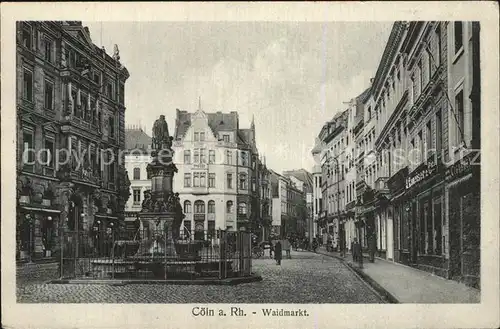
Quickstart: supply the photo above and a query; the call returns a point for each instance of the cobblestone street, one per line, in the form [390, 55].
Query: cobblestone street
[306, 278]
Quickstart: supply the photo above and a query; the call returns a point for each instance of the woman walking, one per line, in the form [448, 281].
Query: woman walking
[277, 253]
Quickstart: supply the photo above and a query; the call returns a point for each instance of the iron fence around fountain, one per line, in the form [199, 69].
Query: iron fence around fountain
[148, 254]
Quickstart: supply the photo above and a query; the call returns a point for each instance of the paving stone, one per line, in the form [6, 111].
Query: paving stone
[306, 278]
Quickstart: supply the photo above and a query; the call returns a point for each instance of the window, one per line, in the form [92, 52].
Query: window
[420, 147]
[438, 247]
[97, 78]
[244, 158]
[187, 180]
[428, 136]
[459, 38]
[196, 136]
[422, 75]
[111, 122]
[84, 104]
[199, 207]
[27, 35]
[203, 179]
[111, 172]
[187, 156]
[229, 207]
[229, 157]
[211, 207]
[439, 132]
[109, 90]
[28, 150]
[28, 85]
[229, 180]
[137, 173]
[202, 137]
[225, 138]
[48, 50]
[187, 207]
[48, 155]
[459, 108]
[242, 208]
[196, 181]
[137, 196]
[243, 182]
[211, 156]
[49, 95]
[211, 180]
[437, 58]
[211, 229]
[196, 156]
[203, 156]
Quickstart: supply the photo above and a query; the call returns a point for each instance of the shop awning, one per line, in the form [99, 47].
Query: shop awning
[47, 210]
[105, 216]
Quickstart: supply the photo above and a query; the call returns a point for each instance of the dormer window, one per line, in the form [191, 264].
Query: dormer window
[225, 138]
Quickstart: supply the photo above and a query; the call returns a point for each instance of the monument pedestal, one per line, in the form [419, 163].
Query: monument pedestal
[157, 235]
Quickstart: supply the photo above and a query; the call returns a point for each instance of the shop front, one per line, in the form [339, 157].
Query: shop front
[463, 200]
[424, 206]
[400, 219]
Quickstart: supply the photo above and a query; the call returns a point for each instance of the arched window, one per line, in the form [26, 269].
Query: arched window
[229, 207]
[211, 207]
[137, 173]
[199, 207]
[187, 207]
[242, 208]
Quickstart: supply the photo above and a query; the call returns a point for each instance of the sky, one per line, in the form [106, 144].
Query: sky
[291, 77]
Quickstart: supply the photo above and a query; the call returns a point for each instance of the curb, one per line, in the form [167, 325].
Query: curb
[378, 289]
[216, 282]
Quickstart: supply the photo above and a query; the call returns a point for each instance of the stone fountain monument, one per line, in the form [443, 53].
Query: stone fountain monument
[161, 214]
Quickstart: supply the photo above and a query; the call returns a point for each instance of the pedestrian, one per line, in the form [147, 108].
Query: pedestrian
[315, 245]
[277, 253]
[271, 247]
[286, 247]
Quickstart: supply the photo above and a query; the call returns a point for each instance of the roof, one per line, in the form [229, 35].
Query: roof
[302, 175]
[217, 121]
[364, 95]
[136, 139]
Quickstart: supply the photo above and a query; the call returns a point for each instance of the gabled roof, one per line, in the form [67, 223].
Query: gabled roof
[302, 175]
[82, 34]
[217, 121]
[136, 139]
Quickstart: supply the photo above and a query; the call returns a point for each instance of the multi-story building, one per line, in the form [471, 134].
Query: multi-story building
[416, 132]
[333, 135]
[137, 158]
[317, 194]
[218, 177]
[363, 109]
[280, 202]
[303, 181]
[70, 130]
[265, 223]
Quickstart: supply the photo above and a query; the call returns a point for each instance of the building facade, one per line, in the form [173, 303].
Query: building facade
[317, 195]
[333, 135]
[218, 178]
[303, 182]
[137, 158]
[417, 134]
[70, 130]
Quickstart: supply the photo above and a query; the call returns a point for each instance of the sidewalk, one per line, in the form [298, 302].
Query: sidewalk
[408, 285]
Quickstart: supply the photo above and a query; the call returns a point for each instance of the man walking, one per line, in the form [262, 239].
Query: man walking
[277, 253]
[286, 246]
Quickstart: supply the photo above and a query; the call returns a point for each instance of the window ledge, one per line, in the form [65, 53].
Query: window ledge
[457, 55]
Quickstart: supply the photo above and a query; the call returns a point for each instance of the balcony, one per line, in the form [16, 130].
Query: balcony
[199, 190]
[381, 184]
[89, 176]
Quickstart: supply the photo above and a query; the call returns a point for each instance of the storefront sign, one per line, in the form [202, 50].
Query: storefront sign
[422, 172]
[461, 167]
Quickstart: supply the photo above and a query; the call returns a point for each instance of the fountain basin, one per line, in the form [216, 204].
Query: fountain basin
[126, 248]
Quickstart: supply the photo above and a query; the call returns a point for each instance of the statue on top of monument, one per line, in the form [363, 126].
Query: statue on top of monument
[161, 137]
